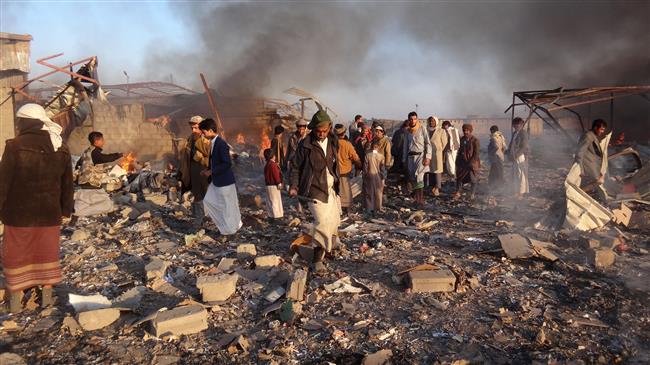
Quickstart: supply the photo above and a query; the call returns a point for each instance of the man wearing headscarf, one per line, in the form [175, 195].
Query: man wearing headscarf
[589, 155]
[278, 149]
[417, 156]
[195, 157]
[439, 140]
[468, 162]
[451, 150]
[36, 190]
[518, 154]
[315, 180]
[346, 158]
[496, 155]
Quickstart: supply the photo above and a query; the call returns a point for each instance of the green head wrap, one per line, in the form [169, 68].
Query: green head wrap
[320, 119]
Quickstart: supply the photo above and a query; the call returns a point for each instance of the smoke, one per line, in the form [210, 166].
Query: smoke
[471, 55]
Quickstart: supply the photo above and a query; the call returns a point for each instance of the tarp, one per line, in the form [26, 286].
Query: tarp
[88, 202]
[582, 211]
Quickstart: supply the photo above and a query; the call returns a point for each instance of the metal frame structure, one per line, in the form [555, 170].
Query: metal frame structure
[544, 102]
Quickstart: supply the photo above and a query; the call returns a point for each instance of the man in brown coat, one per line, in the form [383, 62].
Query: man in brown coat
[36, 190]
[347, 157]
[195, 157]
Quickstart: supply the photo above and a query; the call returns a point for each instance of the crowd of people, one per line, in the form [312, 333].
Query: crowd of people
[316, 164]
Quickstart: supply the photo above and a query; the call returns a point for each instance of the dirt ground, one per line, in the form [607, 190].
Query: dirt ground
[503, 311]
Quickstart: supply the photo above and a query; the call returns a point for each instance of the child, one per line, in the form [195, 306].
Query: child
[273, 180]
[373, 178]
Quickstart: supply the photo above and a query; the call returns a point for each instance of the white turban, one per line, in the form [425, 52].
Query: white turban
[35, 111]
[196, 119]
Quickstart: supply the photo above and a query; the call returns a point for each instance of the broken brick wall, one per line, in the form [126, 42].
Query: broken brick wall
[125, 130]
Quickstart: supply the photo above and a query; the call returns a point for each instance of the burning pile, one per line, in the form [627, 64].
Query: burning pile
[128, 163]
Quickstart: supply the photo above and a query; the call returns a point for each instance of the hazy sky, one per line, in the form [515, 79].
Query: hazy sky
[376, 59]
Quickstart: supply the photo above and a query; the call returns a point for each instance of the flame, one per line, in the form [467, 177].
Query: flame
[265, 141]
[241, 139]
[127, 162]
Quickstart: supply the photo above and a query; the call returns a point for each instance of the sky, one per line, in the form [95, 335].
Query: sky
[380, 59]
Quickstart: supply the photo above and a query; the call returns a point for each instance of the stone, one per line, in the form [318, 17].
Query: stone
[296, 285]
[72, 325]
[246, 250]
[165, 246]
[166, 360]
[515, 246]
[79, 235]
[622, 215]
[8, 358]
[601, 258]
[268, 261]
[381, 357]
[226, 264]
[98, 318]
[156, 268]
[180, 321]
[306, 252]
[428, 281]
[131, 298]
[217, 288]
[159, 199]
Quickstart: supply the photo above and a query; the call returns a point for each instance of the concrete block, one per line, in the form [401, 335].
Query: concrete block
[216, 288]
[181, 321]
[601, 258]
[296, 285]
[98, 318]
[156, 268]
[268, 261]
[428, 281]
[246, 250]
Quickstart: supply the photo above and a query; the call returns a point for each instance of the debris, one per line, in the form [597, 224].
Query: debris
[381, 357]
[72, 325]
[217, 288]
[582, 211]
[289, 311]
[131, 298]
[343, 285]
[8, 358]
[82, 303]
[91, 202]
[156, 268]
[622, 215]
[246, 251]
[180, 321]
[226, 264]
[79, 235]
[265, 262]
[601, 258]
[426, 281]
[515, 246]
[296, 285]
[98, 318]
[275, 294]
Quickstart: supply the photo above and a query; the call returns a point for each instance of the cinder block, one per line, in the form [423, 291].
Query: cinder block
[296, 285]
[601, 258]
[268, 261]
[226, 264]
[181, 321]
[156, 268]
[216, 288]
[428, 281]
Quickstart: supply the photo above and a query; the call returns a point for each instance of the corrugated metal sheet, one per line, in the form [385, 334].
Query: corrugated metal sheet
[14, 52]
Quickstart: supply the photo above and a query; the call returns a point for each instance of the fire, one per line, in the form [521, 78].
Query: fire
[265, 141]
[127, 162]
[241, 139]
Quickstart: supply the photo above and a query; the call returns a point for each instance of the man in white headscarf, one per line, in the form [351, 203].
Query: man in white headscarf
[36, 190]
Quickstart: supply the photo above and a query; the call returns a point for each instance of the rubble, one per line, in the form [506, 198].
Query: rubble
[601, 258]
[263, 262]
[156, 268]
[245, 251]
[180, 321]
[217, 288]
[296, 285]
[99, 318]
[428, 281]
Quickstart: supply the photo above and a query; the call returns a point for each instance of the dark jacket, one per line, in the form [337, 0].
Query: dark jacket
[272, 174]
[589, 155]
[99, 157]
[518, 145]
[220, 164]
[311, 165]
[35, 181]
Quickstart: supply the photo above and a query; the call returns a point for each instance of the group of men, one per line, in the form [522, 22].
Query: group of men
[318, 163]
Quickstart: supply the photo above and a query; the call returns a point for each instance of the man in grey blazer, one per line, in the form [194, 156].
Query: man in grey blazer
[589, 156]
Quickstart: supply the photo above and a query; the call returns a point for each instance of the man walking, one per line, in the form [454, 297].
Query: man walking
[220, 202]
[315, 180]
[346, 158]
[278, 150]
[468, 162]
[439, 140]
[195, 157]
[518, 154]
[417, 156]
